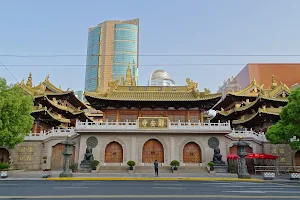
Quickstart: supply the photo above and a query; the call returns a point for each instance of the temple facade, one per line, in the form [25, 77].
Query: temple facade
[148, 123]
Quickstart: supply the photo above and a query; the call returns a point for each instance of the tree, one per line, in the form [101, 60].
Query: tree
[288, 127]
[15, 118]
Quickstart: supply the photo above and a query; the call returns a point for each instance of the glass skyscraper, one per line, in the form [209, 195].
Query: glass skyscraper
[160, 78]
[112, 46]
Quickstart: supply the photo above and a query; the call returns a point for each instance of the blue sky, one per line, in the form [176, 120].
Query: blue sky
[35, 27]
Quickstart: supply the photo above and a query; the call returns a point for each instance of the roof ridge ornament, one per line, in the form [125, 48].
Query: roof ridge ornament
[191, 85]
[274, 82]
[47, 77]
[29, 80]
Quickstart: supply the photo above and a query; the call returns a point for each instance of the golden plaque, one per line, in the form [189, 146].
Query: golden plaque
[153, 122]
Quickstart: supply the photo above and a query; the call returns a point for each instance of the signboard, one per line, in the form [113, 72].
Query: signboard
[153, 123]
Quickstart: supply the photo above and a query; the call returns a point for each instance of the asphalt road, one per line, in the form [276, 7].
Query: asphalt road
[145, 190]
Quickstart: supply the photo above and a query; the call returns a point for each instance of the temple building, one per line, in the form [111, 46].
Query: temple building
[253, 107]
[53, 107]
[148, 123]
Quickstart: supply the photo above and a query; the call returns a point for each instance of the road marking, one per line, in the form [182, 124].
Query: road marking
[268, 188]
[60, 188]
[162, 184]
[248, 191]
[170, 188]
[148, 197]
[259, 191]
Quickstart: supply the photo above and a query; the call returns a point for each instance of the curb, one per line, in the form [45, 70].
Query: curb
[151, 179]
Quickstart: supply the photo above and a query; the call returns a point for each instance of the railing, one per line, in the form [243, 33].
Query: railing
[99, 126]
[248, 134]
[51, 133]
[279, 170]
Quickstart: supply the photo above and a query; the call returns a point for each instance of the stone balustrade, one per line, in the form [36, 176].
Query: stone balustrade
[133, 126]
[51, 133]
[248, 134]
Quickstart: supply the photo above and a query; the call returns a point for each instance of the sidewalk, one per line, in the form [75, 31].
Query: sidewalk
[37, 175]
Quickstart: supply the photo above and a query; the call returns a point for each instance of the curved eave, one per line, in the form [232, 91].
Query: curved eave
[59, 107]
[240, 121]
[219, 117]
[52, 115]
[284, 100]
[229, 99]
[73, 99]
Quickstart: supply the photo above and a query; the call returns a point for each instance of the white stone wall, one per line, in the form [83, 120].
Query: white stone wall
[132, 144]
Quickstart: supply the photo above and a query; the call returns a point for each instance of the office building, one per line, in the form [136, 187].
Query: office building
[112, 46]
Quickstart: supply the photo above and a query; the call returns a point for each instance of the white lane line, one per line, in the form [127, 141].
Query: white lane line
[232, 186]
[270, 188]
[60, 188]
[217, 183]
[170, 188]
[161, 184]
[259, 191]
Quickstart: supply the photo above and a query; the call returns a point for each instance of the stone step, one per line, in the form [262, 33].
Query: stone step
[148, 169]
[192, 169]
[113, 169]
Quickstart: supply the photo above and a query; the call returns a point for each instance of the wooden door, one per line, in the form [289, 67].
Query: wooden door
[57, 159]
[191, 153]
[153, 150]
[113, 153]
[297, 158]
[4, 155]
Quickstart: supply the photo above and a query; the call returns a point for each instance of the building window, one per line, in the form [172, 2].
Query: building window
[176, 118]
[130, 118]
[194, 118]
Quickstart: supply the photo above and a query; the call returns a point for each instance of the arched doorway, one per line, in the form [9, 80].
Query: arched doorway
[4, 155]
[297, 158]
[153, 150]
[57, 158]
[113, 153]
[249, 162]
[192, 153]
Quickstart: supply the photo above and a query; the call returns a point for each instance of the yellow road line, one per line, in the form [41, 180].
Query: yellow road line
[148, 197]
[150, 179]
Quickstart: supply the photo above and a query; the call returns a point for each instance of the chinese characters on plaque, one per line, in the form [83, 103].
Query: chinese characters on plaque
[153, 122]
[25, 153]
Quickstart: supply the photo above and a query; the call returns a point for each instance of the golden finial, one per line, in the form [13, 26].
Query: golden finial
[274, 82]
[122, 81]
[47, 77]
[206, 91]
[22, 82]
[128, 81]
[113, 85]
[133, 81]
[29, 80]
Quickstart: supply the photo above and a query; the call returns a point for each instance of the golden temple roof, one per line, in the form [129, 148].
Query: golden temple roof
[154, 93]
[263, 110]
[56, 117]
[255, 90]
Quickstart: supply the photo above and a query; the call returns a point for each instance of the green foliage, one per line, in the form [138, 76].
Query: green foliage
[74, 167]
[4, 166]
[94, 163]
[211, 164]
[175, 163]
[131, 163]
[15, 118]
[288, 126]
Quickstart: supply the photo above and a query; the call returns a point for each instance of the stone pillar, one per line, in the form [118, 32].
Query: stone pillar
[242, 153]
[133, 149]
[67, 153]
[172, 150]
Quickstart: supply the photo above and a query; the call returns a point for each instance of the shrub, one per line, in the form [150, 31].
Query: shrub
[175, 163]
[94, 163]
[74, 167]
[211, 164]
[4, 166]
[131, 163]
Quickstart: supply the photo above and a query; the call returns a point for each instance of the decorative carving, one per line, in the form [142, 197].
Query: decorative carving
[47, 77]
[113, 85]
[92, 142]
[206, 91]
[274, 82]
[40, 106]
[213, 142]
[54, 100]
[29, 80]
[191, 85]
